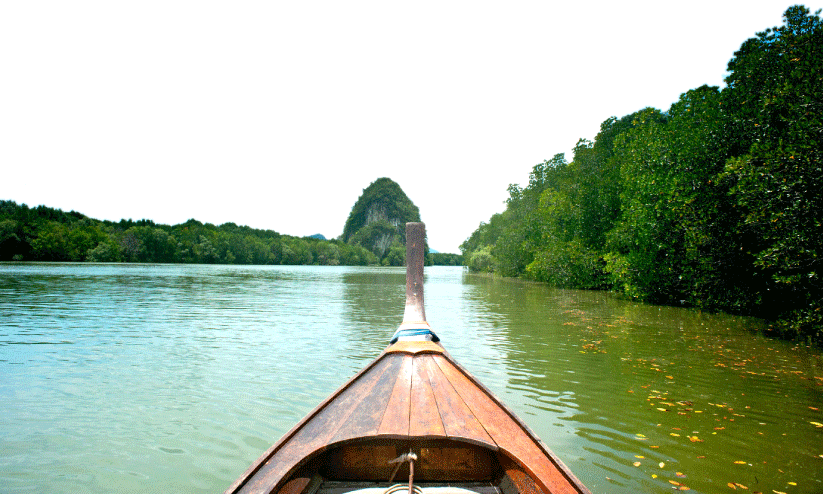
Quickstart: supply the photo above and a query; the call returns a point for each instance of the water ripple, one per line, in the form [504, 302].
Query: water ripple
[115, 377]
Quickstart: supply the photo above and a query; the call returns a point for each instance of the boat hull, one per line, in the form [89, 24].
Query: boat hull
[412, 398]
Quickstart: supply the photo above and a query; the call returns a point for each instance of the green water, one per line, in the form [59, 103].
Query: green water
[136, 378]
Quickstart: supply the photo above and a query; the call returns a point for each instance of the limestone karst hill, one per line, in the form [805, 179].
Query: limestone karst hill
[377, 220]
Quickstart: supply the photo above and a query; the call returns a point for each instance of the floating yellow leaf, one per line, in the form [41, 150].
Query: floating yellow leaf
[654, 475]
[738, 484]
[674, 482]
[680, 474]
[778, 492]
[684, 488]
[674, 434]
[695, 439]
[637, 463]
[740, 462]
[816, 424]
[661, 464]
[732, 486]
[640, 456]
[792, 483]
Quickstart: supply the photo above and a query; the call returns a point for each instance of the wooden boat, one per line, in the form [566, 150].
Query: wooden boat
[412, 413]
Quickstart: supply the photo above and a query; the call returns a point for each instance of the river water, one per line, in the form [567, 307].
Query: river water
[174, 378]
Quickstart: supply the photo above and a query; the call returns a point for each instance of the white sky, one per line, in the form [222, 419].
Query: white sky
[278, 114]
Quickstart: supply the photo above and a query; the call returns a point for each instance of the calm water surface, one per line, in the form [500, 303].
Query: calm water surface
[136, 378]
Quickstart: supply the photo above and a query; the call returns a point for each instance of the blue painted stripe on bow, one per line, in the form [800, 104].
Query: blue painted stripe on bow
[413, 332]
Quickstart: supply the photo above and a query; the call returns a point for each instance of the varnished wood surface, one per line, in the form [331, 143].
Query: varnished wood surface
[415, 347]
[414, 390]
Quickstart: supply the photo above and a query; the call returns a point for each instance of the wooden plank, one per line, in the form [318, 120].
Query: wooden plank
[367, 415]
[395, 421]
[359, 462]
[424, 420]
[415, 347]
[509, 433]
[453, 462]
[295, 486]
[458, 419]
[515, 480]
[316, 432]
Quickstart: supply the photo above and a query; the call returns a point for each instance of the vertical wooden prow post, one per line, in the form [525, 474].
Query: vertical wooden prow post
[414, 326]
[415, 253]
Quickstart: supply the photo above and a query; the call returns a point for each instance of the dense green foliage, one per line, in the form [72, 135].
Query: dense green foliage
[47, 234]
[378, 220]
[716, 203]
[443, 259]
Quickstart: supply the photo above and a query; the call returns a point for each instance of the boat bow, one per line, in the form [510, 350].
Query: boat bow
[413, 398]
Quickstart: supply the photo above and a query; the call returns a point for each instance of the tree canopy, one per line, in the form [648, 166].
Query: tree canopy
[715, 203]
[48, 234]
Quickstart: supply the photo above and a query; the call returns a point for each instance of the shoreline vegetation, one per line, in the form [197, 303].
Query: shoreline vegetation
[47, 234]
[715, 204]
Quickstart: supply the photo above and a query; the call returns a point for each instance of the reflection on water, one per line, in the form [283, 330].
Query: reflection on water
[118, 377]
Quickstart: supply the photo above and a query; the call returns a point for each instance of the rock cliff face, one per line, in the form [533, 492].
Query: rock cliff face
[377, 220]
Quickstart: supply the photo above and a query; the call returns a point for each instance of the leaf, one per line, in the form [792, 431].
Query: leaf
[816, 424]
[661, 464]
[740, 462]
[732, 486]
[674, 482]
[637, 463]
[738, 484]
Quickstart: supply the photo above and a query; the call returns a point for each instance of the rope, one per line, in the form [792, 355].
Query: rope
[412, 489]
[402, 488]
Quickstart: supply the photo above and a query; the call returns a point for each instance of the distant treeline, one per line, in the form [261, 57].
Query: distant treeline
[47, 234]
[716, 203]
[441, 259]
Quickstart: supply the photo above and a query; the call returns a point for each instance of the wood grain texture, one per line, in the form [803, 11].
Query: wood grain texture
[295, 486]
[425, 418]
[395, 421]
[458, 419]
[508, 433]
[412, 392]
[415, 347]
[370, 407]
[515, 480]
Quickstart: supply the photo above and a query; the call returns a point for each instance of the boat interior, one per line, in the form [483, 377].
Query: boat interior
[437, 466]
